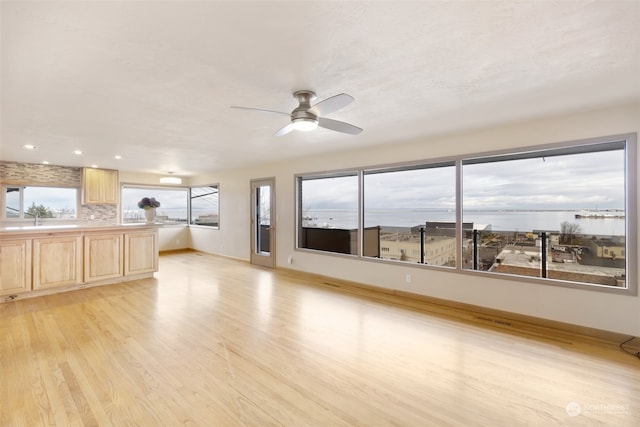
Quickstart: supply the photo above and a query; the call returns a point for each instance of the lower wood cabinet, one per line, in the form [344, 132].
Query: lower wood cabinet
[140, 252]
[41, 262]
[57, 261]
[15, 266]
[103, 256]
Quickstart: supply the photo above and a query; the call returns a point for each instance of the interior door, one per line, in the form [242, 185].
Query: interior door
[263, 221]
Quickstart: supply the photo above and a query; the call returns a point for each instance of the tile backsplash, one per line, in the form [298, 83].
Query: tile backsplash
[38, 174]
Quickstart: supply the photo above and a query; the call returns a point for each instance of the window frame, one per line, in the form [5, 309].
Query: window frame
[298, 211]
[156, 187]
[22, 186]
[190, 211]
[408, 167]
[627, 141]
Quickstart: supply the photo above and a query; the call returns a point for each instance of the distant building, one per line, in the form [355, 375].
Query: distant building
[608, 248]
[438, 250]
[563, 265]
[211, 219]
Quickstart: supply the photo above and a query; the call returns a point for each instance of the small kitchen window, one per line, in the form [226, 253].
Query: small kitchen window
[30, 202]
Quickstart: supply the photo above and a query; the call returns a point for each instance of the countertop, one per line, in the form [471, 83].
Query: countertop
[50, 229]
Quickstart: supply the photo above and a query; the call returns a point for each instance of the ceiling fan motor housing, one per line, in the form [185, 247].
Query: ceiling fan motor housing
[301, 117]
[302, 113]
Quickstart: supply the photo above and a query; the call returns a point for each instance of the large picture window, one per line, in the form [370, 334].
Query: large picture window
[561, 214]
[557, 213]
[329, 213]
[410, 214]
[173, 204]
[29, 202]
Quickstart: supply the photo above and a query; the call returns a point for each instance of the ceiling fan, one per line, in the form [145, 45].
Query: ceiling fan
[306, 117]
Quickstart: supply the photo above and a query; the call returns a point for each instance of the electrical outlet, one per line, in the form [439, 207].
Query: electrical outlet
[407, 278]
[290, 259]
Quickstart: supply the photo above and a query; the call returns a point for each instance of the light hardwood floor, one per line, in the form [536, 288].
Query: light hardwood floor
[216, 342]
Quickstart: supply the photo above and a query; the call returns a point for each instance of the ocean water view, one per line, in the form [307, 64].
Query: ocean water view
[498, 220]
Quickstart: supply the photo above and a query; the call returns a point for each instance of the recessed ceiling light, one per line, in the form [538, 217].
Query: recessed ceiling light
[29, 147]
[94, 166]
[77, 152]
[117, 157]
[44, 162]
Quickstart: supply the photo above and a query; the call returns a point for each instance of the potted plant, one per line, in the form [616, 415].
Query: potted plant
[149, 204]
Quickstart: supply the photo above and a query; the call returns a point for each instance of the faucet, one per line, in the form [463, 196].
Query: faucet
[36, 219]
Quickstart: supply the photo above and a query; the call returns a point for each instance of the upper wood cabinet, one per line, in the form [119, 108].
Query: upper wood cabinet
[99, 186]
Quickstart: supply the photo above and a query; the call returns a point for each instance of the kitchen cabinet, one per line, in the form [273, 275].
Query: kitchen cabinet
[103, 256]
[49, 259]
[99, 186]
[15, 266]
[140, 252]
[57, 261]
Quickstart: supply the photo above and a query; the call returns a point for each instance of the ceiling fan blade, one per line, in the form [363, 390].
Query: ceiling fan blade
[260, 109]
[332, 104]
[284, 130]
[338, 126]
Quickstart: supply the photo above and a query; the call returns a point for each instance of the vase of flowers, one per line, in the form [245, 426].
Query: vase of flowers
[149, 204]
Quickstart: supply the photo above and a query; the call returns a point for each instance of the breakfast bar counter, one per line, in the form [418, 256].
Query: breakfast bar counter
[37, 260]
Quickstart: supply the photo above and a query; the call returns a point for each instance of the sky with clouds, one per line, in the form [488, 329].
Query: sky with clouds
[569, 182]
[577, 181]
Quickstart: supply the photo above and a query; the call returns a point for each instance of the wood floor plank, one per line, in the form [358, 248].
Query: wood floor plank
[212, 341]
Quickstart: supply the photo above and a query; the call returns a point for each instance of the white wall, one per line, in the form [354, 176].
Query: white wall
[173, 237]
[582, 307]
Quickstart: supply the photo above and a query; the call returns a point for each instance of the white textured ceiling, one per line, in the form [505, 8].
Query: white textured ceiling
[153, 81]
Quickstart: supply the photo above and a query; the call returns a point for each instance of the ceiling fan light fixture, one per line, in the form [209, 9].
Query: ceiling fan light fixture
[305, 124]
